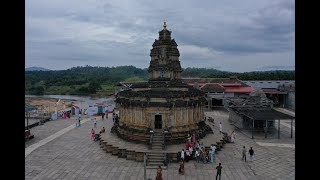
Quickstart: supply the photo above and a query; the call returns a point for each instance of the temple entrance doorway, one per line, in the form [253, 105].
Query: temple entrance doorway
[158, 122]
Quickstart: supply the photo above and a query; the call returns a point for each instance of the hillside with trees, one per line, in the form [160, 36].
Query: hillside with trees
[91, 80]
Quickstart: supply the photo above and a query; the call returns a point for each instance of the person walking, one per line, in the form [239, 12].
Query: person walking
[197, 155]
[220, 127]
[79, 123]
[190, 150]
[159, 173]
[95, 122]
[102, 116]
[92, 134]
[218, 168]
[203, 155]
[182, 155]
[113, 116]
[233, 136]
[181, 168]
[251, 152]
[212, 151]
[244, 154]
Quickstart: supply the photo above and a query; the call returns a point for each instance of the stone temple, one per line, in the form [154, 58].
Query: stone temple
[163, 103]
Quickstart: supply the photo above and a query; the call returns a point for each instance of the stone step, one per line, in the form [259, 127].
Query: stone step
[156, 160]
[156, 167]
[157, 140]
[155, 164]
[156, 157]
[156, 154]
[156, 144]
[157, 136]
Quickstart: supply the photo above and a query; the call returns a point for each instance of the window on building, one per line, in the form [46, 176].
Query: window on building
[162, 74]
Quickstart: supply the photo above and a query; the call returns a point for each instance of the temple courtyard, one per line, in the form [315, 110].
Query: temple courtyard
[60, 150]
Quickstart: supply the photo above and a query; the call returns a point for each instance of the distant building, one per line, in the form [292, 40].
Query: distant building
[255, 113]
[281, 92]
[218, 90]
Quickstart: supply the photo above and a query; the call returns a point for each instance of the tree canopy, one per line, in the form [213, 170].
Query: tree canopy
[89, 80]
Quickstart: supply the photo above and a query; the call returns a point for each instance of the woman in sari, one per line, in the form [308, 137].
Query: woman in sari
[92, 134]
[193, 138]
[159, 173]
[181, 168]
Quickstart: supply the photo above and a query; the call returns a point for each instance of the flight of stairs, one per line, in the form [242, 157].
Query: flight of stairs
[156, 156]
[157, 141]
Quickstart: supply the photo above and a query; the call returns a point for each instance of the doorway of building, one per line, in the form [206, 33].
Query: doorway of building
[158, 122]
[217, 102]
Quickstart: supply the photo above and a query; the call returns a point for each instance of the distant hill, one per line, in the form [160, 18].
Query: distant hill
[34, 68]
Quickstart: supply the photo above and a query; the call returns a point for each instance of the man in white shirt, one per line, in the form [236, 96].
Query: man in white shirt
[213, 147]
[190, 149]
[197, 155]
[182, 154]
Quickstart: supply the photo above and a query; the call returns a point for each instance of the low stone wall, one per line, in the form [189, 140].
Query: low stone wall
[143, 136]
[124, 151]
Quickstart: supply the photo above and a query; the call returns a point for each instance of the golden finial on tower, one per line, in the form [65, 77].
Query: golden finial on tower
[164, 25]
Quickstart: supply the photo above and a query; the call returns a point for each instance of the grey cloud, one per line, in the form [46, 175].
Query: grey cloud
[125, 30]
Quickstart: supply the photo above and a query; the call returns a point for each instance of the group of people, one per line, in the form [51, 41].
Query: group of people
[195, 149]
[102, 116]
[115, 118]
[206, 156]
[244, 154]
[65, 114]
[93, 133]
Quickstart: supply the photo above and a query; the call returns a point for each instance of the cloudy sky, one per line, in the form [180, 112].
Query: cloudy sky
[232, 35]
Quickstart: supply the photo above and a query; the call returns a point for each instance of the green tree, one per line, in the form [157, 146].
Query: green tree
[38, 90]
[134, 79]
[93, 87]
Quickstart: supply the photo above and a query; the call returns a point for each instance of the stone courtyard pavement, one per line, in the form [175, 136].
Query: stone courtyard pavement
[71, 154]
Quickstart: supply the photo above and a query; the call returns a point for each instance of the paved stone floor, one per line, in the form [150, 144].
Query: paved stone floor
[73, 155]
[50, 127]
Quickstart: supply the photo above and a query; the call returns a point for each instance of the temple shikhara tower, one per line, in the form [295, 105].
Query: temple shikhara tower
[164, 103]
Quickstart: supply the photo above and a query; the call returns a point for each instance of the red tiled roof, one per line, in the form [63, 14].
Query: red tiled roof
[239, 89]
[229, 84]
[212, 87]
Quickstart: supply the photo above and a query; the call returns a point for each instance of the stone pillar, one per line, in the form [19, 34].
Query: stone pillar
[141, 116]
[181, 116]
[187, 116]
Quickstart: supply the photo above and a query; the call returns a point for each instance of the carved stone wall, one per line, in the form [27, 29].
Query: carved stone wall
[171, 117]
